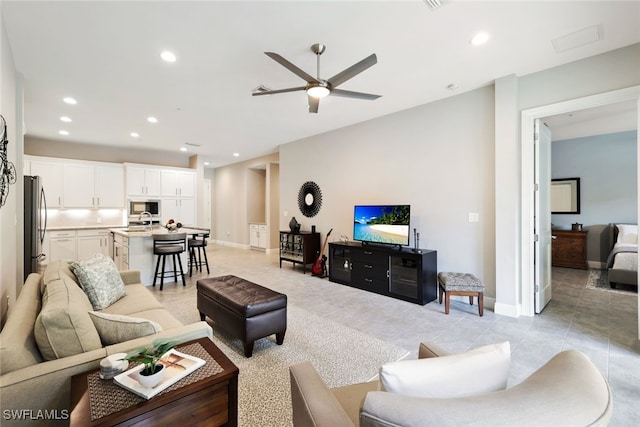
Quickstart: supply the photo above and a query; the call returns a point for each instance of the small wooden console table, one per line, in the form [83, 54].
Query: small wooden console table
[206, 397]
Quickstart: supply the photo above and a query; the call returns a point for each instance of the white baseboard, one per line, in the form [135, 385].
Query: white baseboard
[231, 244]
[507, 309]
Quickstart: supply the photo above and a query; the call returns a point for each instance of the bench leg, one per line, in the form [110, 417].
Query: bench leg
[447, 302]
[248, 349]
[280, 337]
[470, 299]
[480, 303]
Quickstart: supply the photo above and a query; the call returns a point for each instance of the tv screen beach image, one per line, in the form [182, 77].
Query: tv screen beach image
[382, 224]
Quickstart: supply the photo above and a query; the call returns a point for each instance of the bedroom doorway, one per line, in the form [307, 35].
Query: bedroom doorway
[528, 170]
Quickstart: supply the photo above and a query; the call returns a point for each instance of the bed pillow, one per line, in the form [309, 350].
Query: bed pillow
[100, 279]
[482, 370]
[117, 328]
[627, 233]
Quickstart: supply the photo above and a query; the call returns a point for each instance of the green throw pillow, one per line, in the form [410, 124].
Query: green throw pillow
[100, 280]
[117, 328]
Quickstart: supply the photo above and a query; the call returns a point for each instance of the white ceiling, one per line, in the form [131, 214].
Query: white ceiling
[106, 55]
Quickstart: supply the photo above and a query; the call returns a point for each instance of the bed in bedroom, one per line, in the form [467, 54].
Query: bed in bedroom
[622, 263]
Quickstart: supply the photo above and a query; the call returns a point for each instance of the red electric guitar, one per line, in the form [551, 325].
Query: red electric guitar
[319, 267]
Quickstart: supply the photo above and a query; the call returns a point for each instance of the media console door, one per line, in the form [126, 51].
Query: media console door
[401, 274]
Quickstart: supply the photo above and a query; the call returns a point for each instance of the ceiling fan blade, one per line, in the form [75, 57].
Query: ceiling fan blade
[313, 104]
[271, 92]
[352, 71]
[351, 94]
[289, 66]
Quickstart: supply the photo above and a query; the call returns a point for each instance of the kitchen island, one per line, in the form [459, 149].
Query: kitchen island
[133, 249]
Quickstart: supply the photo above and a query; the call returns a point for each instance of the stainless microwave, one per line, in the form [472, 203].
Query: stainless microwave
[136, 207]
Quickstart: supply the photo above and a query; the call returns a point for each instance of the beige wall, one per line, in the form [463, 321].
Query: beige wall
[101, 153]
[231, 202]
[11, 214]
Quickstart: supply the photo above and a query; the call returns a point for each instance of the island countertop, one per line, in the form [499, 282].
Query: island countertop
[138, 232]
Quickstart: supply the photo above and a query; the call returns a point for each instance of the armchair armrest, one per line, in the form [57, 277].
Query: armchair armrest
[428, 350]
[312, 401]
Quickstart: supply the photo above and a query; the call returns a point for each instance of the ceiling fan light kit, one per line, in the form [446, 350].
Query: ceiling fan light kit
[316, 87]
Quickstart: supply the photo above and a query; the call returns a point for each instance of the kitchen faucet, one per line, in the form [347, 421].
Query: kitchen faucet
[150, 218]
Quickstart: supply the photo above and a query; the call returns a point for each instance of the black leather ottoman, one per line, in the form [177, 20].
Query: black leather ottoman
[243, 309]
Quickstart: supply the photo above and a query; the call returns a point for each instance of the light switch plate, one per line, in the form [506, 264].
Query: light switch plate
[474, 217]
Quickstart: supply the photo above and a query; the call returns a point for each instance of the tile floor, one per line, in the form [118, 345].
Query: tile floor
[601, 324]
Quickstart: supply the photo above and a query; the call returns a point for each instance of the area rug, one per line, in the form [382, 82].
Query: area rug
[598, 280]
[341, 355]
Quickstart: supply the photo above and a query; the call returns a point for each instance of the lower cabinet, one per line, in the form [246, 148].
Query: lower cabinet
[401, 274]
[92, 242]
[62, 246]
[121, 251]
[258, 236]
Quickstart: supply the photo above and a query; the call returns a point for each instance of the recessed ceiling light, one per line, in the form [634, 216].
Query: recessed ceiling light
[236, 154]
[206, 163]
[479, 39]
[63, 132]
[152, 119]
[452, 86]
[135, 134]
[183, 148]
[65, 119]
[70, 100]
[168, 56]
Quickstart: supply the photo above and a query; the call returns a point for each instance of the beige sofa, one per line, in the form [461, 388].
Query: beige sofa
[28, 382]
[567, 391]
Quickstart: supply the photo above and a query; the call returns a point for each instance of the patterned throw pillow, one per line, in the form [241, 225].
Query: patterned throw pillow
[117, 328]
[100, 280]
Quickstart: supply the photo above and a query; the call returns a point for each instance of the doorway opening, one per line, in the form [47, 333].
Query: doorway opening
[528, 170]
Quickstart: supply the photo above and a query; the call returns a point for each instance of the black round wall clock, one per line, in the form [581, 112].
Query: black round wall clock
[309, 199]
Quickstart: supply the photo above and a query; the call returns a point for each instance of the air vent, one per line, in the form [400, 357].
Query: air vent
[579, 38]
[435, 4]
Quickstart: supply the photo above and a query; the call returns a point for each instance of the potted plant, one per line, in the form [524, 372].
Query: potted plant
[153, 371]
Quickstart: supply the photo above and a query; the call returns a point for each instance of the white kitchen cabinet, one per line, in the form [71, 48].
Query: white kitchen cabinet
[258, 236]
[143, 181]
[177, 183]
[62, 246]
[50, 171]
[93, 186]
[91, 242]
[78, 183]
[181, 210]
[121, 251]
[109, 187]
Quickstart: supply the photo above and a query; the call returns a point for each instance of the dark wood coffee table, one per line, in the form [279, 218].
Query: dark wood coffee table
[196, 401]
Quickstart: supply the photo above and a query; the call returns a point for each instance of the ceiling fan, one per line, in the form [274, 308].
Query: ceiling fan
[316, 87]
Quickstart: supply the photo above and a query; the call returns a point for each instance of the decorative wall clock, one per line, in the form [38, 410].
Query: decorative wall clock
[309, 199]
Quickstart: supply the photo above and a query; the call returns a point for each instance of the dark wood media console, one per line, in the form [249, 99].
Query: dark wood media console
[398, 273]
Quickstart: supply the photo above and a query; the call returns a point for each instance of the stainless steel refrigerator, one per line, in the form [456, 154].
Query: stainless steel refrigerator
[35, 223]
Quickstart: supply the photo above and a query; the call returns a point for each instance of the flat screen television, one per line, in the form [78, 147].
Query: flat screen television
[382, 224]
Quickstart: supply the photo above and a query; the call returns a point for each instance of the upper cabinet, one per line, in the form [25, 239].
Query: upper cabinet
[79, 184]
[50, 171]
[177, 183]
[143, 181]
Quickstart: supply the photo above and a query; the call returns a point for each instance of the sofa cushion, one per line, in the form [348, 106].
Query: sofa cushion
[63, 327]
[138, 299]
[57, 270]
[481, 370]
[18, 347]
[116, 328]
[99, 278]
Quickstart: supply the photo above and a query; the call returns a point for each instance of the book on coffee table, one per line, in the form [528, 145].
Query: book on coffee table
[177, 365]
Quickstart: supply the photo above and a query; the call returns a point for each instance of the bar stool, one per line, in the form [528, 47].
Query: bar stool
[200, 244]
[169, 244]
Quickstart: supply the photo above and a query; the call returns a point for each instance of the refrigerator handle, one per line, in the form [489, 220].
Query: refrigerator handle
[43, 206]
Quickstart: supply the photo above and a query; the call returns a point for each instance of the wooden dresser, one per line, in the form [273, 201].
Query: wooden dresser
[569, 249]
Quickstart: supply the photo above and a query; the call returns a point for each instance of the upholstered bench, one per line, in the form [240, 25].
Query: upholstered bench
[464, 284]
[243, 309]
